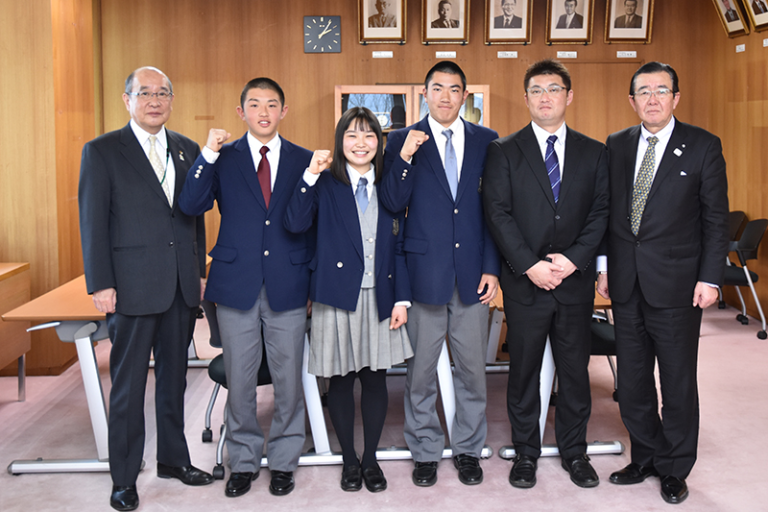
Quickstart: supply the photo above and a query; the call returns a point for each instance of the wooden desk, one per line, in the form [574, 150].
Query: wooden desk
[15, 341]
[70, 310]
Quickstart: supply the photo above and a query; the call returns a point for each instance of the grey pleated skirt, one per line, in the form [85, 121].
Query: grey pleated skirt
[347, 341]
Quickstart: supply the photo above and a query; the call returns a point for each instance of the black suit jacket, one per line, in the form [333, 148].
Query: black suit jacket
[132, 239]
[683, 236]
[576, 22]
[527, 224]
[515, 22]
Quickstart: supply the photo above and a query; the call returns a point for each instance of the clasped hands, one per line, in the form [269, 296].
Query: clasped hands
[547, 274]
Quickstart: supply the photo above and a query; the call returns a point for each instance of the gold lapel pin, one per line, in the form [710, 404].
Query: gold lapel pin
[181, 156]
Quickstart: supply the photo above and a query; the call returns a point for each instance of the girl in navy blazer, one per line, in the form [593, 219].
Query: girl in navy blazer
[359, 286]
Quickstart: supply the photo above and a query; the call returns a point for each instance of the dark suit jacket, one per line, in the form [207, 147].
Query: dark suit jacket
[446, 241]
[516, 22]
[683, 236]
[253, 247]
[621, 22]
[439, 24]
[132, 239]
[731, 15]
[576, 22]
[759, 7]
[337, 268]
[526, 222]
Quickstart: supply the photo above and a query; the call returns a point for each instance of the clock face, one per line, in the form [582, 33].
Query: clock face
[322, 34]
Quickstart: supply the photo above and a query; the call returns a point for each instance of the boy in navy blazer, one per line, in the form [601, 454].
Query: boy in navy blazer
[259, 279]
[435, 168]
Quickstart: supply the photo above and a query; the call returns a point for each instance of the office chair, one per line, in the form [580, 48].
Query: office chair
[746, 249]
[736, 220]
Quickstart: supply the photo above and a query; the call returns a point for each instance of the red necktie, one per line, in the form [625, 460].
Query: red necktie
[264, 174]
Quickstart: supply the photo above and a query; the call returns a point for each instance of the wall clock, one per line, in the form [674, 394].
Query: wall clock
[322, 34]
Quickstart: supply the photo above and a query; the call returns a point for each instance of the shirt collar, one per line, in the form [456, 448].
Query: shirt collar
[542, 135]
[355, 176]
[663, 134]
[255, 144]
[142, 135]
[457, 127]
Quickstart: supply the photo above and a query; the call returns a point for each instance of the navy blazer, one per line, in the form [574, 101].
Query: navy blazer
[132, 239]
[337, 268]
[253, 247]
[446, 241]
[526, 222]
[683, 236]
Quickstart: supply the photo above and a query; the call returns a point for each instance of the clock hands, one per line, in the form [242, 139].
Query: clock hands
[326, 30]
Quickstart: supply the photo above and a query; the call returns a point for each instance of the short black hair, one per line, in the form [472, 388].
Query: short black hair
[262, 83]
[356, 116]
[129, 80]
[446, 66]
[655, 67]
[547, 67]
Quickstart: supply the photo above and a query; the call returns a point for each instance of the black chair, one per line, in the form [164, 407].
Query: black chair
[219, 377]
[736, 220]
[746, 249]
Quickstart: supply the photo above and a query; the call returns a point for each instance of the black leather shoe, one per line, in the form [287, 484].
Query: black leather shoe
[470, 472]
[424, 474]
[523, 473]
[282, 483]
[632, 474]
[581, 471]
[351, 478]
[673, 489]
[190, 475]
[124, 497]
[374, 478]
[239, 483]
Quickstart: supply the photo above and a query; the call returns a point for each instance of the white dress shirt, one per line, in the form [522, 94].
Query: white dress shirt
[457, 139]
[273, 155]
[161, 146]
[541, 137]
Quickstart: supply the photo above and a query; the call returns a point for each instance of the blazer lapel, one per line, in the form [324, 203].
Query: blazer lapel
[529, 146]
[669, 159]
[181, 166]
[134, 154]
[573, 152]
[471, 155]
[345, 202]
[630, 158]
[429, 156]
[245, 165]
[280, 192]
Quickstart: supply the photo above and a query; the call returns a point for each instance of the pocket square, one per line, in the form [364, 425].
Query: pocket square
[683, 173]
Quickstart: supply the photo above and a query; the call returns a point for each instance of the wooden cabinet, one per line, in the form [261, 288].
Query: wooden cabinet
[15, 341]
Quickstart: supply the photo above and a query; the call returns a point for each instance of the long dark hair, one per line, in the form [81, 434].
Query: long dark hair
[356, 116]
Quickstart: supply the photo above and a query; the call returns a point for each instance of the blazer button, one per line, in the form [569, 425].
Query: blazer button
[267, 222]
[170, 244]
[199, 166]
[339, 264]
[455, 210]
[457, 245]
[389, 276]
[266, 253]
[303, 190]
[557, 217]
[637, 244]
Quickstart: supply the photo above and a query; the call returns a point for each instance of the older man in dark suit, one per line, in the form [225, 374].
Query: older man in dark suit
[508, 18]
[667, 242]
[630, 19]
[144, 260]
[571, 19]
[546, 201]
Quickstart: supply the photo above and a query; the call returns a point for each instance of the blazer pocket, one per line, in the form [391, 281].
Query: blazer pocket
[225, 254]
[129, 248]
[300, 256]
[416, 245]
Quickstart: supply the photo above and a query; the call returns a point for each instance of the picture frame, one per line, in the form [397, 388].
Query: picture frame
[732, 17]
[757, 11]
[445, 21]
[512, 26]
[628, 21]
[570, 21]
[382, 21]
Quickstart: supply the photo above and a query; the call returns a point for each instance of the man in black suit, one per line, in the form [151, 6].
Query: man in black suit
[630, 19]
[545, 194]
[759, 7]
[730, 13]
[508, 19]
[444, 9]
[570, 19]
[144, 260]
[667, 242]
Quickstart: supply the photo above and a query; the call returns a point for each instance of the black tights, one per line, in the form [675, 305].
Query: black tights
[373, 406]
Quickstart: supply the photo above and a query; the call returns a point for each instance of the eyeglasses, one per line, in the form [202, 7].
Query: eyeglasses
[145, 96]
[645, 95]
[552, 90]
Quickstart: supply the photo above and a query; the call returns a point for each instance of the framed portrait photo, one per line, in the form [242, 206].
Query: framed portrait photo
[731, 17]
[628, 21]
[444, 21]
[757, 10]
[382, 21]
[508, 21]
[569, 21]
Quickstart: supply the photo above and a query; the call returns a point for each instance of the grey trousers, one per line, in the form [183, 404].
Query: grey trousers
[284, 343]
[467, 330]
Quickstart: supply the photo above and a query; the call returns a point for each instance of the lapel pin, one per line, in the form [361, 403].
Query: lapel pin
[678, 152]
[181, 155]
[683, 173]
